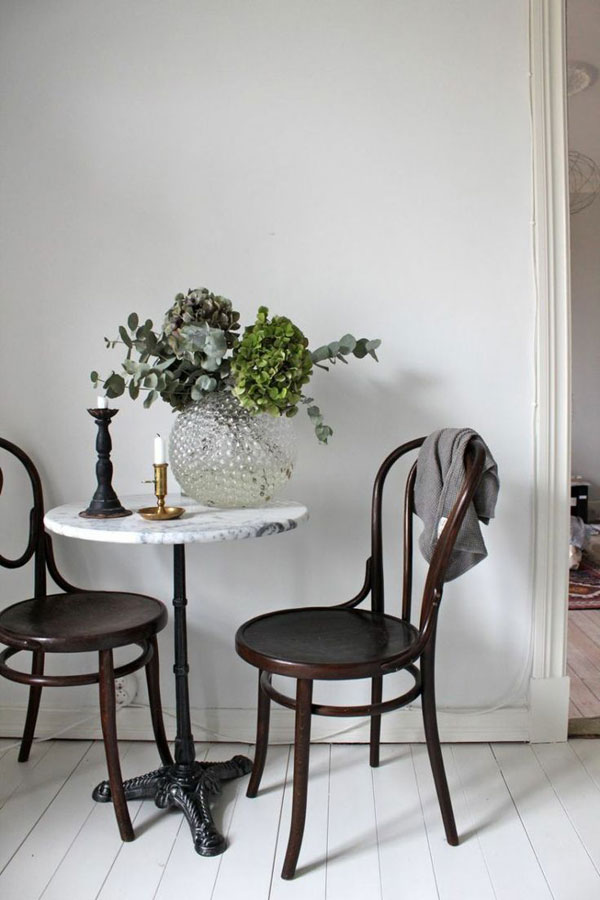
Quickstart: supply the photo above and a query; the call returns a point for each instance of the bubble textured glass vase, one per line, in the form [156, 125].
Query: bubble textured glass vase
[223, 456]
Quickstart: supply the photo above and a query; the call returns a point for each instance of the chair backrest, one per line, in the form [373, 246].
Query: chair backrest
[39, 544]
[434, 582]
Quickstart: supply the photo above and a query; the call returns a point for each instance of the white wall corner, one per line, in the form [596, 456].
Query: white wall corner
[548, 709]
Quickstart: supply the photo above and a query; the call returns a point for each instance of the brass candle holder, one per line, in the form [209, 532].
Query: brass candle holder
[160, 512]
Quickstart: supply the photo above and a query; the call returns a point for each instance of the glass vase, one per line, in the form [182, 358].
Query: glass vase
[223, 456]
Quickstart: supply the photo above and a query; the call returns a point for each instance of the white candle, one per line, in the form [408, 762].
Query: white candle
[160, 451]
[102, 402]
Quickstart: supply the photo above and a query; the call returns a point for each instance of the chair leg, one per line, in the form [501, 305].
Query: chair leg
[262, 740]
[109, 731]
[33, 706]
[433, 744]
[376, 695]
[158, 725]
[301, 754]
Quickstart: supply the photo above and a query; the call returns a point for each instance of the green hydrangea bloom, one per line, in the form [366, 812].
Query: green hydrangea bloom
[270, 365]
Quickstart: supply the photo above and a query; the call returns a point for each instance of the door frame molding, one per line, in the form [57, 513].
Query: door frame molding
[549, 693]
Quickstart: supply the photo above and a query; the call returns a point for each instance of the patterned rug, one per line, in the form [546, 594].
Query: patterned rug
[584, 586]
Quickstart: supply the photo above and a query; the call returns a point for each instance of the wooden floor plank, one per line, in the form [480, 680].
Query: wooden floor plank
[12, 772]
[352, 858]
[36, 791]
[582, 696]
[579, 662]
[186, 874]
[461, 871]
[401, 832]
[155, 830]
[576, 791]
[6, 744]
[311, 875]
[528, 817]
[591, 681]
[588, 620]
[513, 867]
[593, 686]
[581, 640]
[582, 654]
[588, 752]
[574, 711]
[50, 839]
[247, 866]
[563, 858]
[583, 657]
[83, 869]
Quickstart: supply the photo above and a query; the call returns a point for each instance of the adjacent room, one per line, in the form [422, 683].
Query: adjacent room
[583, 91]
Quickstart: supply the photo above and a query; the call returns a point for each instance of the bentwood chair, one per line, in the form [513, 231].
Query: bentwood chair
[343, 642]
[79, 621]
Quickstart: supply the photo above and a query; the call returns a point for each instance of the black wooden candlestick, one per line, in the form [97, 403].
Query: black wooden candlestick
[104, 504]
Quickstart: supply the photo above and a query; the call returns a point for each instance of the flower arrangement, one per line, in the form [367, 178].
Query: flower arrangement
[198, 351]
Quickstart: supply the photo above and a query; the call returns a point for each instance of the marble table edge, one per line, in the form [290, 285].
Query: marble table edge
[201, 524]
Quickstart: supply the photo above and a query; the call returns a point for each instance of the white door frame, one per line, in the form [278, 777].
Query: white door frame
[549, 694]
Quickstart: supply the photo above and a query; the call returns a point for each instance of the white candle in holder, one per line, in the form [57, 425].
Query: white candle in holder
[102, 402]
[160, 451]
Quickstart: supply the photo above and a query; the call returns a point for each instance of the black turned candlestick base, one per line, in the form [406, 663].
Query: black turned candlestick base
[104, 504]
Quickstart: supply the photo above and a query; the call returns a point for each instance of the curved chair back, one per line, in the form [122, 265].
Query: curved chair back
[39, 544]
[434, 582]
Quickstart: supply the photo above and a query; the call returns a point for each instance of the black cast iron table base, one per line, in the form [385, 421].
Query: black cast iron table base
[187, 784]
[188, 788]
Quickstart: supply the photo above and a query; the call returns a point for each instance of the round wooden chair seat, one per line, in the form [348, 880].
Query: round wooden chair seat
[73, 621]
[90, 620]
[334, 643]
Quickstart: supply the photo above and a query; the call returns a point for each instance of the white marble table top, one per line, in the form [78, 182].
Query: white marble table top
[199, 524]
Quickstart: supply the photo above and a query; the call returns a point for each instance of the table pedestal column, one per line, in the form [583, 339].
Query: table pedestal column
[188, 784]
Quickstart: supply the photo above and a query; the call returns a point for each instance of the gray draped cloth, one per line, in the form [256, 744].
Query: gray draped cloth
[440, 475]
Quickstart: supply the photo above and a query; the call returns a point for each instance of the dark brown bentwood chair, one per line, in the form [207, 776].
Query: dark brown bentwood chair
[77, 621]
[342, 642]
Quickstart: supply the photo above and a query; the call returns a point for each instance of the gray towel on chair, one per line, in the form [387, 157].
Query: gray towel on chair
[440, 475]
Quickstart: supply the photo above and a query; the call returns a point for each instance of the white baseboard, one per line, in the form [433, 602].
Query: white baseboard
[545, 720]
[549, 709]
[239, 725]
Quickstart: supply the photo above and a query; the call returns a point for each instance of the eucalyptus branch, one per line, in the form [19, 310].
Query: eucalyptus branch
[346, 345]
[322, 431]
[197, 352]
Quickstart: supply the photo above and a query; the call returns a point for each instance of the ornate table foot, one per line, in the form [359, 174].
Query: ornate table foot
[142, 787]
[196, 808]
[189, 788]
[227, 771]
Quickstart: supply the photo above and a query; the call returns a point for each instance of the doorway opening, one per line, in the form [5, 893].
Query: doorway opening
[583, 106]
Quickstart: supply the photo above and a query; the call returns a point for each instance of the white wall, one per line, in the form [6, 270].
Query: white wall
[358, 166]
[583, 34]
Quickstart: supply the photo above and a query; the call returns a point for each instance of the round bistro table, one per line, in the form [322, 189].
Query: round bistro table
[187, 784]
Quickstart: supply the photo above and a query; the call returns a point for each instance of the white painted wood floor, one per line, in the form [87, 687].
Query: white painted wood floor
[529, 817]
